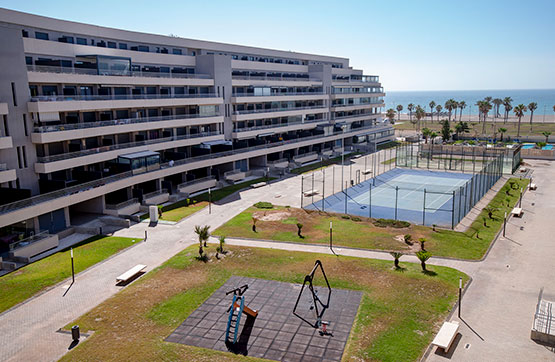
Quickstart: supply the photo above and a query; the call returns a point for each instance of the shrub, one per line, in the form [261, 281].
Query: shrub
[398, 224]
[355, 218]
[396, 255]
[264, 205]
[423, 256]
[346, 217]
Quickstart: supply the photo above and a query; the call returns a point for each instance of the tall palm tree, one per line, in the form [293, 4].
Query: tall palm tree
[502, 131]
[455, 107]
[390, 114]
[519, 112]
[532, 107]
[484, 107]
[462, 105]
[432, 104]
[508, 106]
[439, 108]
[497, 102]
[399, 109]
[410, 108]
[449, 105]
[420, 113]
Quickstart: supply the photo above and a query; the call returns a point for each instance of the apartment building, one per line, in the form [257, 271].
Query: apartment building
[101, 121]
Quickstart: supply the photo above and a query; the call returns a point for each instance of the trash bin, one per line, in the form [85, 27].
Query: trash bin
[75, 333]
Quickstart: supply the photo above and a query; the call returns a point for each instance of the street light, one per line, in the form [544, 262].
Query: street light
[72, 268]
[460, 296]
[209, 201]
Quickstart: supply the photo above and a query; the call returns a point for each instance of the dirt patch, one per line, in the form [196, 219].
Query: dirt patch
[277, 215]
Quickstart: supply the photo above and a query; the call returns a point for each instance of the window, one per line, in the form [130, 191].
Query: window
[176, 51]
[24, 156]
[19, 163]
[82, 41]
[13, 94]
[143, 48]
[66, 39]
[25, 33]
[25, 125]
[123, 46]
[29, 60]
[41, 35]
[112, 44]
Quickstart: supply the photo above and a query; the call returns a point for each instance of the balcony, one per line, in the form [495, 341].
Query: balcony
[342, 95]
[55, 74]
[244, 80]
[358, 79]
[249, 132]
[61, 132]
[3, 108]
[27, 208]
[354, 107]
[27, 248]
[6, 174]
[5, 142]
[128, 207]
[276, 112]
[276, 97]
[64, 161]
[200, 184]
[65, 103]
[156, 197]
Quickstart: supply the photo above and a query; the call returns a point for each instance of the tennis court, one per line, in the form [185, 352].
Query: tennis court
[418, 196]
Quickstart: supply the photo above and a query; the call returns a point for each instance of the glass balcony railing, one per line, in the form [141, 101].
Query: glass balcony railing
[96, 150]
[118, 122]
[115, 97]
[268, 126]
[278, 94]
[87, 71]
[32, 201]
[249, 111]
[265, 77]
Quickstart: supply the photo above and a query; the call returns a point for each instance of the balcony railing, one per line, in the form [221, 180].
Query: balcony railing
[268, 126]
[86, 71]
[121, 205]
[249, 111]
[29, 240]
[35, 200]
[237, 95]
[115, 97]
[258, 77]
[155, 193]
[371, 103]
[356, 92]
[356, 116]
[93, 151]
[3, 167]
[118, 122]
[196, 181]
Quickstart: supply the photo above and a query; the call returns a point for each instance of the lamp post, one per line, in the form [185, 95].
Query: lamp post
[331, 233]
[460, 296]
[72, 268]
[209, 201]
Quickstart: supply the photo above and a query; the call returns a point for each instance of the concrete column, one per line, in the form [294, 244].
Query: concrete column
[36, 225]
[66, 214]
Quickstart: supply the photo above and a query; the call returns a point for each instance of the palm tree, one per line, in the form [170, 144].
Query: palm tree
[462, 105]
[433, 136]
[203, 233]
[519, 112]
[532, 107]
[439, 108]
[396, 256]
[222, 242]
[432, 104]
[497, 102]
[423, 256]
[426, 132]
[410, 108]
[390, 114]
[484, 107]
[449, 105]
[546, 133]
[507, 104]
[455, 107]
[502, 130]
[461, 127]
[420, 113]
[399, 109]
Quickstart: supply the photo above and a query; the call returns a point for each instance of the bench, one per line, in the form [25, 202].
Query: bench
[523, 169]
[532, 186]
[517, 211]
[259, 184]
[446, 335]
[310, 193]
[367, 172]
[130, 273]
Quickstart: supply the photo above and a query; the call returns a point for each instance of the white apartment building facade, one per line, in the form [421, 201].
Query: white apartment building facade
[97, 120]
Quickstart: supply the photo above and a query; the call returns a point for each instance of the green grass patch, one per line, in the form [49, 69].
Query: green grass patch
[392, 324]
[387, 145]
[25, 282]
[378, 234]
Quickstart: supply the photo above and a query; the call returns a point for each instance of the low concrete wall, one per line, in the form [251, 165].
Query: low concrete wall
[116, 221]
[198, 186]
[158, 199]
[538, 154]
[36, 247]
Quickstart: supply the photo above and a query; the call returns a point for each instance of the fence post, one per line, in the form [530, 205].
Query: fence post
[345, 193]
[369, 199]
[312, 189]
[333, 180]
[365, 159]
[323, 187]
[396, 198]
[453, 213]
[424, 209]
[302, 190]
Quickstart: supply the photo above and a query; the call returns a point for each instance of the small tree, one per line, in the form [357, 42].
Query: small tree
[396, 256]
[399, 109]
[222, 242]
[299, 229]
[203, 233]
[426, 132]
[434, 227]
[254, 220]
[490, 210]
[546, 134]
[502, 130]
[408, 238]
[423, 256]
[446, 130]
[390, 114]
[422, 241]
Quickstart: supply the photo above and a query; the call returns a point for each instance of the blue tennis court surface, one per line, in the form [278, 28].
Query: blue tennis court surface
[417, 196]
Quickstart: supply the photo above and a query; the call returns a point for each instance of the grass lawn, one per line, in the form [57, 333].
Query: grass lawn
[187, 207]
[399, 313]
[280, 224]
[33, 278]
[491, 128]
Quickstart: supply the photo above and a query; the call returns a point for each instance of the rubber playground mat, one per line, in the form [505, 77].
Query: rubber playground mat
[276, 333]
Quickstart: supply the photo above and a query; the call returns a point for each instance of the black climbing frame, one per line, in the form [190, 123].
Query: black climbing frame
[319, 306]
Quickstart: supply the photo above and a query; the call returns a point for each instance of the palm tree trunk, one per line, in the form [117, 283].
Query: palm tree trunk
[518, 132]
[531, 116]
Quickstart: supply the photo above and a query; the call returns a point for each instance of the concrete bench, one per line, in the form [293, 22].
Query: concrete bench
[367, 172]
[446, 335]
[257, 185]
[517, 211]
[523, 169]
[310, 193]
[130, 273]
[532, 186]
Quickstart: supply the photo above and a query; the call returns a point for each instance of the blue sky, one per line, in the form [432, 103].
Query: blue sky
[412, 45]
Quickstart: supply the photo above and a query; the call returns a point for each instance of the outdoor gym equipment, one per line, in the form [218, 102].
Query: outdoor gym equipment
[235, 311]
[317, 305]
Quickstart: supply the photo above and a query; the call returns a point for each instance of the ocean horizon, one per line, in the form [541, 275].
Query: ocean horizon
[545, 98]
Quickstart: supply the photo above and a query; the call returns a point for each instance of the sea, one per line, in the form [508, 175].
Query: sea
[545, 98]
